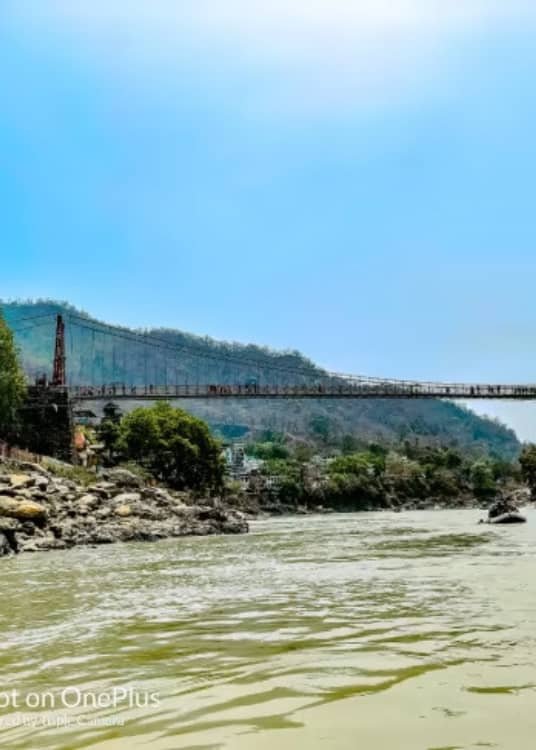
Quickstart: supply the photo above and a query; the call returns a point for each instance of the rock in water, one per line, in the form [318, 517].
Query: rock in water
[5, 547]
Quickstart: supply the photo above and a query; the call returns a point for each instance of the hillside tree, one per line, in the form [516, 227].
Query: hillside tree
[528, 466]
[12, 382]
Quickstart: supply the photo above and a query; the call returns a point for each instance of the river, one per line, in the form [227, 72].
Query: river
[376, 631]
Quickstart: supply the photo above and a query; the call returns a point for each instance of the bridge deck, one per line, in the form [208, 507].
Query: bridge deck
[349, 389]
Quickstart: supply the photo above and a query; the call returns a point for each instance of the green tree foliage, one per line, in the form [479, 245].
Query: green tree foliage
[174, 446]
[267, 451]
[527, 461]
[290, 491]
[483, 481]
[109, 431]
[354, 482]
[406, 475]
[348, 444]
[369, 463]
[12, 385]
[320, 427]
[444, 483]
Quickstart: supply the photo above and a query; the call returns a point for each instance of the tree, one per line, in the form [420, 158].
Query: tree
[173, 446]
[109, 431]
[12, 384]
[483, 481]
[349, 444]
[112, 412]
[320, 427]
[366, 462]
[267, 451]
[528, 466]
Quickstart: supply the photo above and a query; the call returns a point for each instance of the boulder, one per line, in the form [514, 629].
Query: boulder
[10, 524]
[41, 511]
[42, 482]
[235, 523]
[22, 510]
[126, 498]
[103, 489]
[27, 510]
[18, 481]
[87, 501]
[123, 478]
[123, 511]
[42, 544]
[5, 546]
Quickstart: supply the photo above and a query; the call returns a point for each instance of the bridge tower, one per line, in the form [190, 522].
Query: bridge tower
[47, 427]
[59, 373]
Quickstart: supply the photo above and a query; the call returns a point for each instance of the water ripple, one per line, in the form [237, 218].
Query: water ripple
[306, 620]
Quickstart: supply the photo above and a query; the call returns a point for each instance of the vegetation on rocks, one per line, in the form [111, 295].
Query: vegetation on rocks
[403, 476]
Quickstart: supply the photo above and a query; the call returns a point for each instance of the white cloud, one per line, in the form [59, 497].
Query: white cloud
[305, 54]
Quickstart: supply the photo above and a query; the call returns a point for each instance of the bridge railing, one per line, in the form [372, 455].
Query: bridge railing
[343, 387]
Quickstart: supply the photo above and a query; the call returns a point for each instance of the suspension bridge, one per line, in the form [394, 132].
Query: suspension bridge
[94, 361]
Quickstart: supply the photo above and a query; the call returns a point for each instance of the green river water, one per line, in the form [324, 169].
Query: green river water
[370, 631]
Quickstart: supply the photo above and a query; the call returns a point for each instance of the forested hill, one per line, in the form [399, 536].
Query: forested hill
[94, 358]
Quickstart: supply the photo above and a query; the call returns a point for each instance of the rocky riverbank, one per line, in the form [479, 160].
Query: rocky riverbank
[41, 510]
[263, 506]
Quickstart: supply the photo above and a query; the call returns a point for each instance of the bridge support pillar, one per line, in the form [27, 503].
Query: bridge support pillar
[47, 425]
[59, 377]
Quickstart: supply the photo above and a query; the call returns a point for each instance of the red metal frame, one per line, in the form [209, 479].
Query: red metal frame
[59, 376]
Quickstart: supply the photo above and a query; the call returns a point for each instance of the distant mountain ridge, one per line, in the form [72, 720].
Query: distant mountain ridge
[94, 358]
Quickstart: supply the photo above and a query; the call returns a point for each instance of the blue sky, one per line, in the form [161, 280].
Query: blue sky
[352, 179]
